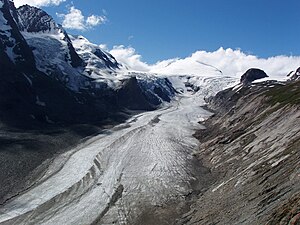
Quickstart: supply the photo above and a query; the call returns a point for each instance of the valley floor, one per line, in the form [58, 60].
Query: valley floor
[137, 171]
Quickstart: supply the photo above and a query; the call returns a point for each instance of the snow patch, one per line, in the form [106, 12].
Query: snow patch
[50, 54]
[48, 120]
[28, 79]
[40, 103]
[10, 52]
[222, 184]
[279, 160]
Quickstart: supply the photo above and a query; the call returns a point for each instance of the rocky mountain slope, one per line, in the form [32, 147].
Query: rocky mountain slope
[53, 94]
[251, 148]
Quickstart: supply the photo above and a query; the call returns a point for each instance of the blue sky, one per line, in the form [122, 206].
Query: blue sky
[162, 29]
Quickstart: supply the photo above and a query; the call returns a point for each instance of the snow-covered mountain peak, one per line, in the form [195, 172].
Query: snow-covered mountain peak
[36, 20]
[39, 30]
[99, 64]
[85, 48]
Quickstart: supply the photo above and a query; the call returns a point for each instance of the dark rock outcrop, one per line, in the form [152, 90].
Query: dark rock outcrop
[296, 75]
[108, 59]
[13, 46]
[131, 96]
[34, 20]
[252, 75]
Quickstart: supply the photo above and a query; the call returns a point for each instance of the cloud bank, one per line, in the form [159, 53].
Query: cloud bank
[75, 20]
[38, 3]
[227, 62]
[222, 61]
[129, 57]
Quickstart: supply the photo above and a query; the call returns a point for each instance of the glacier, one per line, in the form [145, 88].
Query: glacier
[116, 176]
[125, 170]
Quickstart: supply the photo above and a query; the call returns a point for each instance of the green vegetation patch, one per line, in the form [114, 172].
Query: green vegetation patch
[287, 94]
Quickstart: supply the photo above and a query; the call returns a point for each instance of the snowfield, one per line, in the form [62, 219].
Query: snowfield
[119, 173]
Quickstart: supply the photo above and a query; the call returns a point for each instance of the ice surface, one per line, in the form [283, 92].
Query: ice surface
[149, 156]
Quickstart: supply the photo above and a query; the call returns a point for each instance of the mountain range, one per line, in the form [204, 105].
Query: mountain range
[63, 78]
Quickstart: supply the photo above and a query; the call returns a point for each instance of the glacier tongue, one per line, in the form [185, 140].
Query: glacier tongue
[117, 175]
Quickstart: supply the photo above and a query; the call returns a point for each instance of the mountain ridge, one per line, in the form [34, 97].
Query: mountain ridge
[41, 113]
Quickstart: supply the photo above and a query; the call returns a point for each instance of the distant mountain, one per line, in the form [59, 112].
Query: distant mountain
[48, 75]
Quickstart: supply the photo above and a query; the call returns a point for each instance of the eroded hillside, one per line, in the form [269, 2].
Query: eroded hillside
[251, 146]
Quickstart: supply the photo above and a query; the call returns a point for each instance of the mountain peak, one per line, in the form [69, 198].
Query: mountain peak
[12, 42]
[93, 54]
[33, 19]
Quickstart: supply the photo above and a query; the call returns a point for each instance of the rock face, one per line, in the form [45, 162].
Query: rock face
[296, 75]
[252, 75]
[251, 149]
[34, 20]
[13, 46]
[108, 59]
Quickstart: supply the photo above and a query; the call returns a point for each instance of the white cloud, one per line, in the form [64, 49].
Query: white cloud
[38, 3]
[94, 20]
[104, 47]
[230, 62]
[130, 58]
[75, 20]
